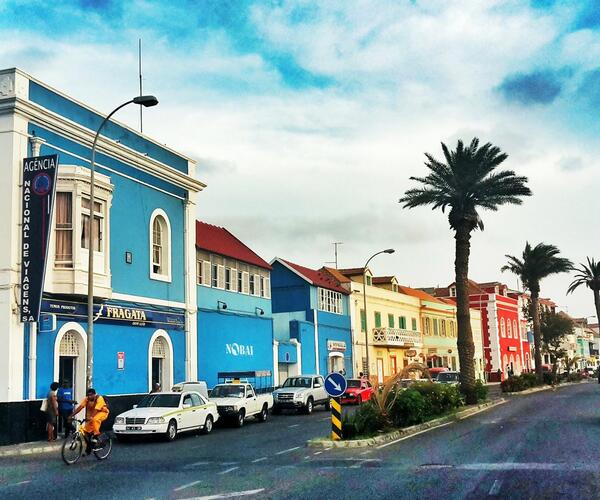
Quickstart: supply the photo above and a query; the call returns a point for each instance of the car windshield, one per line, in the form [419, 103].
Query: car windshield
[434, 375]
[447, 377]
[228, 391]
[160, 401]
[354, 383]
[297, 382]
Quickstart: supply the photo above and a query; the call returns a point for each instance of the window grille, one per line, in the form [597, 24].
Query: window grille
[69, 345]
[159, 348]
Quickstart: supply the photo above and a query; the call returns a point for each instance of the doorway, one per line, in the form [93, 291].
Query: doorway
[70, 362]
[160, 362]
[380, 370]
[393, 365]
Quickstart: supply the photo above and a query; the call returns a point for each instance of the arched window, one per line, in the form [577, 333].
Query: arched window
[443, 322]
[452, 330]
[70, 358]
[427, 327]
[502, 327]
[509, 329]
[515, 330]
[160, 246]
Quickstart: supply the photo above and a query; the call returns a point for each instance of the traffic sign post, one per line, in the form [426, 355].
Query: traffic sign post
[336, 385]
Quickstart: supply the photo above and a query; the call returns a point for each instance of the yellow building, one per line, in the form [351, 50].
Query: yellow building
[392, 324]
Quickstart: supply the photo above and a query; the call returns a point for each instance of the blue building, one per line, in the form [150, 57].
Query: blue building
[311, 320]
[142, 224]
[235, 326]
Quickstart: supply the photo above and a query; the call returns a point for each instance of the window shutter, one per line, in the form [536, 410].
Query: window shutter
[257, 285]
[233, 278]
[267, 292]
[245, 282]
[205, 273]
[221, 277]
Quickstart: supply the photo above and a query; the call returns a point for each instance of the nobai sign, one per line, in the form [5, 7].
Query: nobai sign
[39, 187]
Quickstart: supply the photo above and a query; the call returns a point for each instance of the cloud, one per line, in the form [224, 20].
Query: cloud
[538, 87]
[570, 164]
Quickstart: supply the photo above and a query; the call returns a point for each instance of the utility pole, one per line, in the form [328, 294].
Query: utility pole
[140, 75]
[335, 250]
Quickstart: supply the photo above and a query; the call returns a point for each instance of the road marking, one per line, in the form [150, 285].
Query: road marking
[495, 489]
[228, 463]
[189, 485]
[292, 426]
[511, 466]
[21, 483]
[196, 464]
[323, 419]
[317, 452]
[412, 435]
[227, 471]
[233, 494]
[288, 450]
[366, 452]
[259, 460]
[306, 457]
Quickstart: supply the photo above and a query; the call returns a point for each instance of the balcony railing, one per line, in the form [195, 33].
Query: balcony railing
[396, 337]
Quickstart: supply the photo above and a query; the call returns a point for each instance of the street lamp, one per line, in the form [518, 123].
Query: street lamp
[146, 101]
[389, 250]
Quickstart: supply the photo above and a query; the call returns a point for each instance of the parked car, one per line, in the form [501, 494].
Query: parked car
[302, 393]
[405, 383]
[357, 391]
[435, 371]
[200, 387]
[448, 378]
[236, 401]
[167, 414]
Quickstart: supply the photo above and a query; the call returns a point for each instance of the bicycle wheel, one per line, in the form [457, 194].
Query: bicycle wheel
[103, 448]
[72, 449]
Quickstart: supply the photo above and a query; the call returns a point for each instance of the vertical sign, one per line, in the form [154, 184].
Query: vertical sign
[120, 361]
[39, 187]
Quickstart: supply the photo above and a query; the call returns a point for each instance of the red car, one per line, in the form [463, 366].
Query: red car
[357, 391]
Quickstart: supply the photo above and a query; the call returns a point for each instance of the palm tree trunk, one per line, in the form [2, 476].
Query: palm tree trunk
[466, 347]
[597, 303]
[537, 333]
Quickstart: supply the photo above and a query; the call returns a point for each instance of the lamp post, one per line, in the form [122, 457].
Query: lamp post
[389, 250]
[142, 100]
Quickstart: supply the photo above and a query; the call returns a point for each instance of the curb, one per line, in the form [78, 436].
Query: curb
[49, 448]
[407, 431]
[543, 388]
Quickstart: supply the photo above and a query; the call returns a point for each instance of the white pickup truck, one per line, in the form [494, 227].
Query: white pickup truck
[237, 401]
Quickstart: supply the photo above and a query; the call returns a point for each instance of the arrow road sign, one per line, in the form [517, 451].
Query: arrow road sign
[335, 384]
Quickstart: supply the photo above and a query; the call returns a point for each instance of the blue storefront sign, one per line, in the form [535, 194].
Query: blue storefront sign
[117, 313]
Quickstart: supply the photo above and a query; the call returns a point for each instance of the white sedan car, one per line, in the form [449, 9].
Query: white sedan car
[167, 414]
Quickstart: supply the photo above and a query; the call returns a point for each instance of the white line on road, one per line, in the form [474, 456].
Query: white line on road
[288, 450]
[495, 489]
[326, 418]
[317, 452]
[412, 435]
[366, 452]
[196, 464]
[227, 471]
[189, 485]
[259, 460]
[233, 494]
[292, 426]
[228, 463]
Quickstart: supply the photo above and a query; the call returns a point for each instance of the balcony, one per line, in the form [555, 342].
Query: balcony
[396, 337]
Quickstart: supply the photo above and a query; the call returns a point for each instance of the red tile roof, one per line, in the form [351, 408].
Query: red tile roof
[218, 240]
[353, 271]
[337, 275]
[413, 292]
[378, 280]
[322, 277]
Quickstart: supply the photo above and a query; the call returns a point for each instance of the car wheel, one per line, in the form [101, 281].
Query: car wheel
[171, 433]
[309, 406]
[241, 416]
[208, 425]
[262, 416]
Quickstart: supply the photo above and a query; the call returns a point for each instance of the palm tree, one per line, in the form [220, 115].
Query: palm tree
[589, 276]
[537, 263]
[465, 182]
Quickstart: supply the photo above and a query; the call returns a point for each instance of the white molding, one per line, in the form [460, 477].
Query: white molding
[154, 276]
[148, 300]
[79, 382]
[169, 359]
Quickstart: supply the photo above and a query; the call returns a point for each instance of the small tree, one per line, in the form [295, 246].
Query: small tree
[554, 328]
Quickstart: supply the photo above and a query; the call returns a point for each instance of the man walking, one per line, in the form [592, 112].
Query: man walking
[51, 409]
[65, 406]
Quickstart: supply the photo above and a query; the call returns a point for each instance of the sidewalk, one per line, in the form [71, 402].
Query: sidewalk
[31, 448]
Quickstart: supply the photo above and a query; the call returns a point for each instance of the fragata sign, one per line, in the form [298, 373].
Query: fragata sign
[39, 187]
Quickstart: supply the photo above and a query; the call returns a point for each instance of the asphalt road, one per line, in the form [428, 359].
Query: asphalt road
[544, 445]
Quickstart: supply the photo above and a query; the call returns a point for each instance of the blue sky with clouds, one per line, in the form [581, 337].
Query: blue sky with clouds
[307, 118]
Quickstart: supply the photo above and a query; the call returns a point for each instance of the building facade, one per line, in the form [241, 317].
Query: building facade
[311, 320]
[142, 225]
[235, 325]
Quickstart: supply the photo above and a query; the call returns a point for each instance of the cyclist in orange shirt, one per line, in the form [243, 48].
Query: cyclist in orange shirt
[96, 412]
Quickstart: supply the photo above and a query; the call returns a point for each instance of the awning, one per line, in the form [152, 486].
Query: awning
[336, 354]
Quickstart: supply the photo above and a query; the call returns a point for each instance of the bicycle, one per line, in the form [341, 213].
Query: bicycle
[73, 446]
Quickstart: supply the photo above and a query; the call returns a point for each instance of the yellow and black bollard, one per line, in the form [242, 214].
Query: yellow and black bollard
[336, 419]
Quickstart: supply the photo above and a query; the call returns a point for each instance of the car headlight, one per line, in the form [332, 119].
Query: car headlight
[298, 395]
[156, 420]
[120, 420]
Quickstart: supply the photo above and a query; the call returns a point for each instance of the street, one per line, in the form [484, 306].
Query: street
[543, 445]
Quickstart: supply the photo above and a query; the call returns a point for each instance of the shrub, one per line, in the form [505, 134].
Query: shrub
[365, 421]
[529, 380]
[410, 407]
[549, 378]
[440, 398]
[513, 384]
[575, 377]
[481, 391]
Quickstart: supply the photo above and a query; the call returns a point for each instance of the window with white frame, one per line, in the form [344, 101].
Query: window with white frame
[502, 327]
[508, 329]
[515, 330]
[97, 226]
[160, 246]
[64, 230]
[330, 301]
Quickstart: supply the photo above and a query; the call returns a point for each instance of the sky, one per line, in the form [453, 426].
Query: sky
[308, 118]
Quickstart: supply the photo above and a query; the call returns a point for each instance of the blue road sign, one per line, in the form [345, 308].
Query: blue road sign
[335, 384]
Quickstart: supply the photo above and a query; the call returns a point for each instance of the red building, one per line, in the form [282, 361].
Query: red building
[501, 326]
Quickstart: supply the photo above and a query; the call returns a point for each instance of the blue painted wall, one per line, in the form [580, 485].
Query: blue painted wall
[108, 340]
[304, 332]
[289, 292]
[217, 329]
[132, 206]
[287, 354]
[83, 116]
[236, 302]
